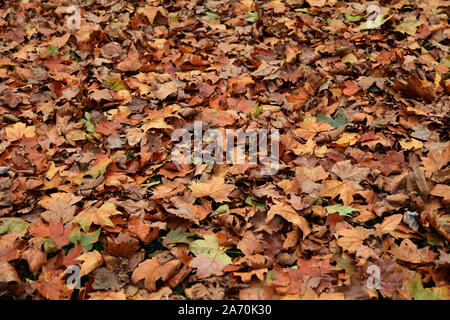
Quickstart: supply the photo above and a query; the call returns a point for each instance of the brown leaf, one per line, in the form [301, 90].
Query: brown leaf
[216, 188]
[207, 266]
[132, 63]
[151, 271]
[333, 188]
[289, 214]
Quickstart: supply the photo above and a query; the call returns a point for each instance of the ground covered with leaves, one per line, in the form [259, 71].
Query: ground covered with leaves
[88, 187]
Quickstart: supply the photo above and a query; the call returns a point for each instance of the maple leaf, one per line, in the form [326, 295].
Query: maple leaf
[209, 247]
[142, 229]
[440, 190]
[131, 63]
[342, 210]
[435, 160]
[100, 216]
[216, 188]
[19, 130]
[86, 239]
[91, 261]
[408, 25]
[52, 286]
[107, 127]
[98, 169]
[408, 251]
[151, 12]
[247, 276]
[288, 213]
[351, 88]
[59, 210]
[315, 174]
[54, 231]
[389, 224]
[13, 225]
[418, 292]
[178, 236]
[347, 139]
[250, 243]
[207, 266]
[341, 119]
[333, 188]
[151, 271]
[164, 90]
[351, 239]
[349, 173]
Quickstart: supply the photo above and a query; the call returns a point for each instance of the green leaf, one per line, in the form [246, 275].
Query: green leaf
[13, 225]
[178, 236]
[249, 202]
[341, 119]
[49, 245]
[222, 209]
[252, 17]
[88, 124]
[211, 15]
[258, 110]
[446, 61]
[345, 264]
[351, 18]
[87, 239]
[418, 292]
[150, 184]
[53, 49]
[342, 210]
[374, 88]
[260, 204]
[375, 24]
[433, 240]
[323, 86]
[209, 247]
[408, 25]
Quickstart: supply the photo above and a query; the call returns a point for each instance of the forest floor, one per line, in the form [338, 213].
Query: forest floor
[94, 203]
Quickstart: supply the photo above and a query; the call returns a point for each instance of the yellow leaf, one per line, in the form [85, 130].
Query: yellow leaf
[412, 144]
[96, 171]
[91, 261]
[19, 130]
[215, 188]
[347, 139]
[100, 216]
[333, 188]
